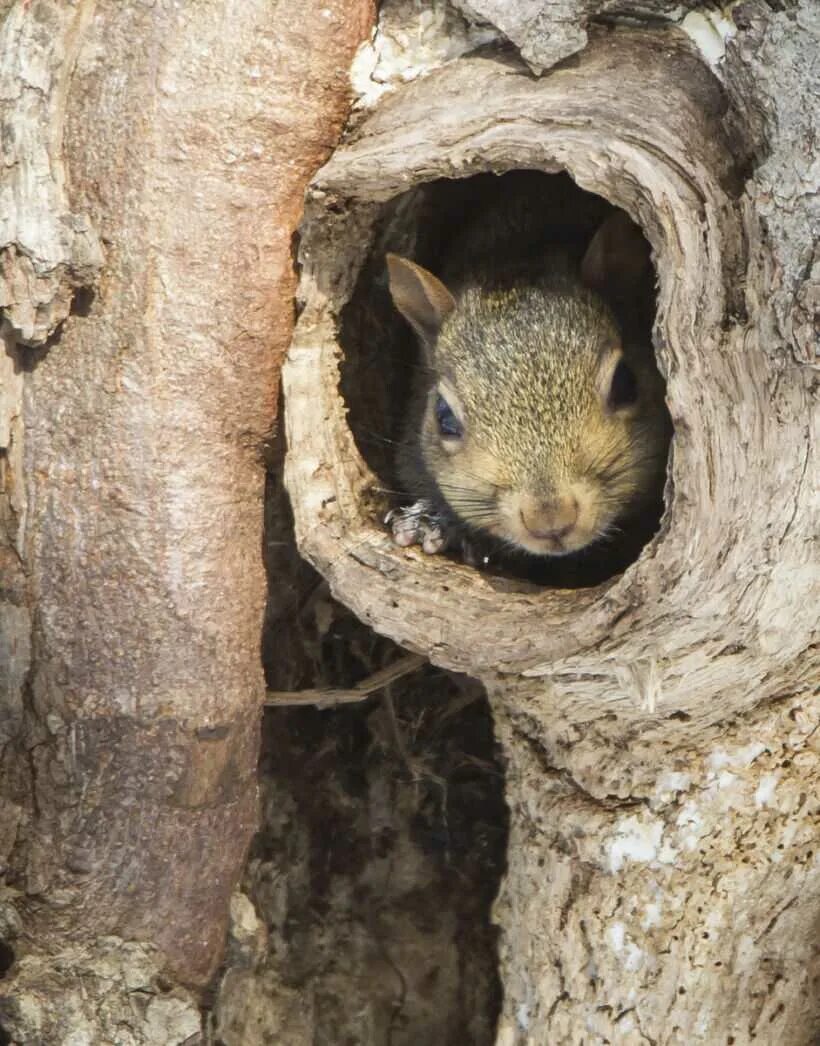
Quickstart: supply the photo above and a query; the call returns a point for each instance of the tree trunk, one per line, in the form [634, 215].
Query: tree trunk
[155, 161]
[660, 730]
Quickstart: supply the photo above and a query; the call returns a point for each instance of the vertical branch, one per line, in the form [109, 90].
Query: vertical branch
[188, 137]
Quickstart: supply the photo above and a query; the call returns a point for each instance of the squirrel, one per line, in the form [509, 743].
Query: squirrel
[538, 420]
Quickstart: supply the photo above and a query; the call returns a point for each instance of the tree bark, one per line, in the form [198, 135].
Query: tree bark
[660, 730]
[156, 158]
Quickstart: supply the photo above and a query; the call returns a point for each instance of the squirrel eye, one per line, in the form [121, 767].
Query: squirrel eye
[623, 391]
[448, 423]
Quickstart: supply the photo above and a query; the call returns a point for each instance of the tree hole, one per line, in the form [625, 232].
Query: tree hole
[541, 215]
[83, 301]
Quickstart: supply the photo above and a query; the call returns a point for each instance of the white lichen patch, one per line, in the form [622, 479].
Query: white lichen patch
[651, 916]
[639, 840]
[615, 935]
[630, 955]
[732, 780]
[97, 1002]
[670, 783]
[739, 759]
[690, 823]
[409, 41]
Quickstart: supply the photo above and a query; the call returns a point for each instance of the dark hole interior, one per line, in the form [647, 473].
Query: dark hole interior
[83, 301]
[6, 958]
[383, 826]
[382, 358]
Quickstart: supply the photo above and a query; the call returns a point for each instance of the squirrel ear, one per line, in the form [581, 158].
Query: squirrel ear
[422, 299]
[617, 257]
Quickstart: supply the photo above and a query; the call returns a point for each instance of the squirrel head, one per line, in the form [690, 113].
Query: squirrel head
[539, 425]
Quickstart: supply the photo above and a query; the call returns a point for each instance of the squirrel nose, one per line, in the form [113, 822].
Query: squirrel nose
[554, 518]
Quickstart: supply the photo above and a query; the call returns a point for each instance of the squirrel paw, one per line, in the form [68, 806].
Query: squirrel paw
[418, 525]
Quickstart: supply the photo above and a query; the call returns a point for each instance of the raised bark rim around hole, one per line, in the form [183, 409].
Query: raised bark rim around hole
[670, 167]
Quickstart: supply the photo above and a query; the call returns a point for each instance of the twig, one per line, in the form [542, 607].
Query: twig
[328, 696]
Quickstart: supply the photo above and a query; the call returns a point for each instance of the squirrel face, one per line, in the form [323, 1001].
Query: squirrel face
[538, 425]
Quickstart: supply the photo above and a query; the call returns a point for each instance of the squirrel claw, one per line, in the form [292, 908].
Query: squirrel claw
[417, 525]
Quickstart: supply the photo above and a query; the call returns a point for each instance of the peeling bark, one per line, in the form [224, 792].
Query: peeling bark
[47, 250]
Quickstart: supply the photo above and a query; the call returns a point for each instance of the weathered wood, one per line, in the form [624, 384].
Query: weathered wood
[660, 731]
[47, 249]
[673, 171]
[548, 31]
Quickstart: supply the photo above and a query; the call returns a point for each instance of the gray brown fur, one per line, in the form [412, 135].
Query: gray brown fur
[522, 350]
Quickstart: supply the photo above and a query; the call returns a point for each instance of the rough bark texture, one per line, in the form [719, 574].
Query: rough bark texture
[547, 31]
[660, 730]
[133, 476]
[46, 248]
[676, 176]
